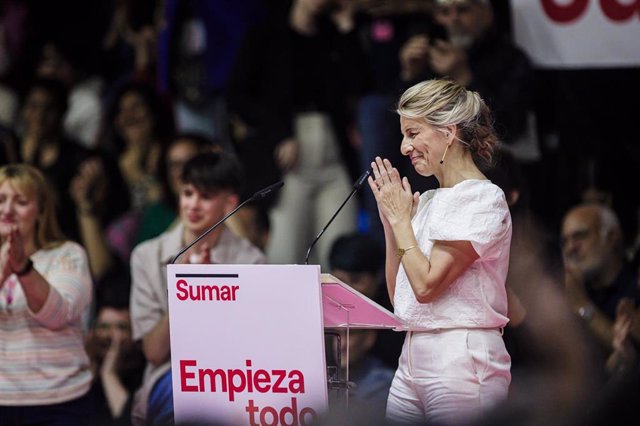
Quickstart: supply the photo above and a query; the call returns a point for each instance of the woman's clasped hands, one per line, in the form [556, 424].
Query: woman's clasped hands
[395, 200]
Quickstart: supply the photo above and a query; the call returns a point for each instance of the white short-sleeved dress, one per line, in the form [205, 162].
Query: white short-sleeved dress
[454, 362]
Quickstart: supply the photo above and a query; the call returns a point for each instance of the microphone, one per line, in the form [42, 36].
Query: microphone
[356, 186]
[258, 195]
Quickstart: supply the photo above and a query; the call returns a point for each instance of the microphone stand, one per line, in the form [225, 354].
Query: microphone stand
[356, 186]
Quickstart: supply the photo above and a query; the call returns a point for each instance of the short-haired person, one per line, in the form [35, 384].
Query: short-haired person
[45, 298]
[210, 186]
[447, 256]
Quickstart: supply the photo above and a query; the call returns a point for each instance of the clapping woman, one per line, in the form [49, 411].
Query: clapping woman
[447, 259]
[45, 297]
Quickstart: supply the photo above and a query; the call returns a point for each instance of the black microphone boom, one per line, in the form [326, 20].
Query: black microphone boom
[258, 195]
[356, 186]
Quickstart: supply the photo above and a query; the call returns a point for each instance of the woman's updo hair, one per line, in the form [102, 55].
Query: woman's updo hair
[443, 103]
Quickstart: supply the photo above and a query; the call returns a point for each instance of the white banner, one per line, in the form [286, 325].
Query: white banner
[578, 33]
[247, 344]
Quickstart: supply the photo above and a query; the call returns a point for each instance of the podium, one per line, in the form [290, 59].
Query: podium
[344, 308]
[247, 344]
[247, 341]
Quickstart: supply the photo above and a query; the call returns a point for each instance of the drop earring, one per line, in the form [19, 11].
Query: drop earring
[443, 154]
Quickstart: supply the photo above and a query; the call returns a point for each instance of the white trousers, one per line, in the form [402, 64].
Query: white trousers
[448, 376]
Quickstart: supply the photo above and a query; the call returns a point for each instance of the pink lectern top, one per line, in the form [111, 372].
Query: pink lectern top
[344, 307]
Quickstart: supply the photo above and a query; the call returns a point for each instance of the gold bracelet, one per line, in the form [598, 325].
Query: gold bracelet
[400, 252]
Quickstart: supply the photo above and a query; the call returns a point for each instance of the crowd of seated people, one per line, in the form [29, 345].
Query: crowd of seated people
[128, 128]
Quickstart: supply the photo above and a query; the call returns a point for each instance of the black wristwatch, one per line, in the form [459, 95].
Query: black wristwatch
[26, 269]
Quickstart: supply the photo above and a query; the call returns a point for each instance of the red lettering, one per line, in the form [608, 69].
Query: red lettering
[233, 387]
[184, 375]
[182, 291]
[249, 376]
[270, 411]
[619, 12]
[194, 292]
[564, 14]
[234, 381]
[206, 290]
[293, 410]
[296, 382]
[262, 377]
[269, 415]
[612, 9]
[252, 410]
[203, 373]
[228, 293]
[223, 293]
[310, 411]
[277, 386]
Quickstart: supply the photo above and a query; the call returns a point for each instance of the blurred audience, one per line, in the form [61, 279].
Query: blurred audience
[108, 249]
[292, 87]
[601, 284]
[43, 143]
[384, 26]
[101, 197]
[45, 299]
[198, 46]
[472, 52]
[8, 146]
[13, 33]
[64, 62]
[136, 127]
[116, 361]
[301, 90]
[600, 186]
